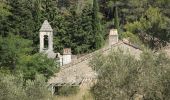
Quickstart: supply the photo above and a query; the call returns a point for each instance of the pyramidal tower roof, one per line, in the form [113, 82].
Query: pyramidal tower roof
[46, 27]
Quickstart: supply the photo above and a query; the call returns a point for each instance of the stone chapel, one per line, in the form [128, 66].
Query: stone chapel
[77, 72]
[46, 44]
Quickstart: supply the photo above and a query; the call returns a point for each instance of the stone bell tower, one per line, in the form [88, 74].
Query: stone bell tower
[46, 38]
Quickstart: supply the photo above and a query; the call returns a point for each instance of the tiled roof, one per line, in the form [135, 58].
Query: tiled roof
[81, 69]
[46, 27]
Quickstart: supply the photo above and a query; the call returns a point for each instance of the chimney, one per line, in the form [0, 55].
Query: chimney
[113, 37]
[66, 56]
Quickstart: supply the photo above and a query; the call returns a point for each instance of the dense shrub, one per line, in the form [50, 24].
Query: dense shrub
[38, 63]
[122, 77]
[15, 88]
[15, 55]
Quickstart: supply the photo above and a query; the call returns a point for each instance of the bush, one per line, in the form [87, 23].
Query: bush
[15, 55]
[121, 76]
[131, 37]
[134, 27]
[37, 63]
[14, 88]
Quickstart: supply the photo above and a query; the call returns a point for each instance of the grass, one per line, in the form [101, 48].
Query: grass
[83, 94]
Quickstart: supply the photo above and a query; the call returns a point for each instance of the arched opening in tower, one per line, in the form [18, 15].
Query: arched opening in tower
[45, 42]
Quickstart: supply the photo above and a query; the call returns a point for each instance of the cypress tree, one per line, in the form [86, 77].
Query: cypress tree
[21, 20]
[82, 31]
[116, 21]
[37, 12]
[115, 15]
[4, 13]
[97, 26]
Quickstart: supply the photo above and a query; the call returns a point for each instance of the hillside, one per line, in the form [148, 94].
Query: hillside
[57, 46]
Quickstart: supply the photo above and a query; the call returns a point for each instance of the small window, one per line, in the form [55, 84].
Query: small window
[45, 42]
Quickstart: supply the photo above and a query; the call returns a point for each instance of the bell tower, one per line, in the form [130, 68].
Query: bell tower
[46, 38]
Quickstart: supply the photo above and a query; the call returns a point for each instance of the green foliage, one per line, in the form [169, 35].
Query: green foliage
[136, 15]
[134, 27]
[131, 37]
[27, 16]
[68, 90]
[121, 76]
[82, 30]
[153, 24]
[37, 89]
[38, 63]
[21, 20]
[15, 55]
[76, 30]
[116, 21]
[12, 49]
[12, 87]
[4, 9]
[97, 26]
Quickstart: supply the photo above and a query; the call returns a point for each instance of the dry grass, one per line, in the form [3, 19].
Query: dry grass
[83, 94]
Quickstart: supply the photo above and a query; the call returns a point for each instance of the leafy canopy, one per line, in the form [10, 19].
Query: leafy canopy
[121, 76]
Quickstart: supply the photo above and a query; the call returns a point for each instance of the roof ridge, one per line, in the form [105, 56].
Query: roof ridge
[88, 56]
[85, 58]
[132, 45]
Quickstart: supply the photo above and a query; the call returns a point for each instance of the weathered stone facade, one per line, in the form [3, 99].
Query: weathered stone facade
[67, 56]
[46, 30]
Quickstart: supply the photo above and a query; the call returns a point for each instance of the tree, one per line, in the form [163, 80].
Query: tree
[21, 21]
[38, 63]
[121, 76]
[154, 24]
[37, 89]
[11, 88]
[82, 36]
[16, 56]
[12, 49]
[152, 27]
[116, 18]
[97, 26]
[27, 16]
[129, 10]
[4, 13]
[113, 5]
[4, 9]
[14, 87]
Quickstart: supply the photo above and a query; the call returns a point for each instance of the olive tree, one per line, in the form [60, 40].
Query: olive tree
[122, 77]
[15, 88]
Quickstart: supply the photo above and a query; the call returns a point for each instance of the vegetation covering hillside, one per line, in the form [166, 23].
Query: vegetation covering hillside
[81, 25]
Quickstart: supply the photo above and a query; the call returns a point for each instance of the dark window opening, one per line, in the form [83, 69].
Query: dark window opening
[45, 42]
